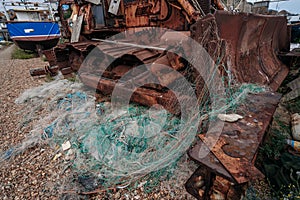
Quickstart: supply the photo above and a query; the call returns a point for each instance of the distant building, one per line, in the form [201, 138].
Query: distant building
[244, 6]
[293, 19]
[284, 13]
[261, 7]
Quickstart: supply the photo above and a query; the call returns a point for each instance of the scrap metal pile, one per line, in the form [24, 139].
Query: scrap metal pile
[150, 43]
[233, 156]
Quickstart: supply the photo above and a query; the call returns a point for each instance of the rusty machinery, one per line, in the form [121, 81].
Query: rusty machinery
[245, 44]
[252, 41]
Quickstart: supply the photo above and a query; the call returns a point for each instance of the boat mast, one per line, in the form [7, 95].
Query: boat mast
[5, 11]
[50, 10]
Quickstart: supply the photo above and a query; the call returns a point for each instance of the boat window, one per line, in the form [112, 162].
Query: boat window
[67, 11]
[27, 16]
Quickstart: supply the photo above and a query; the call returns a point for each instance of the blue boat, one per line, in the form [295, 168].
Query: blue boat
[30, 35]
[32, 27]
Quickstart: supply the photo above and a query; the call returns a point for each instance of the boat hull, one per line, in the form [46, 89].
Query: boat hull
[30, 35]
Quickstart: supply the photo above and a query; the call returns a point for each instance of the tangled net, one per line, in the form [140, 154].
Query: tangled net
[116, 146]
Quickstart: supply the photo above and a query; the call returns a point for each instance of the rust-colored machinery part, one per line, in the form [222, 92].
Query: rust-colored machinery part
[206, 185]
[205, 32]
[143, 96]
[233, 157]
[219, 4]
[118, 60]
[246, 44]
[252, 46]
[205, 5]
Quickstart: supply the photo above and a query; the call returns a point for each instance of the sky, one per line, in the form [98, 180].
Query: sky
[292, 6]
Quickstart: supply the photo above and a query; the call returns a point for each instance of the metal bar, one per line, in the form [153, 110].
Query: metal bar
[130, 44]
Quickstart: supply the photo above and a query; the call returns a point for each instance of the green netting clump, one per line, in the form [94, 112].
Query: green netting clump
[115, 145]
[126, 144]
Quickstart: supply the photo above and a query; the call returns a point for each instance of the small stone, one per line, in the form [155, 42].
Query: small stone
[296, 126]
[229, 117]
[57, 156]
[201, 193]
[70, 155]
[117, 195]
[65, 146]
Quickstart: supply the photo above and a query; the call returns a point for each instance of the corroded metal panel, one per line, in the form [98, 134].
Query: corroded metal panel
[234, 154]
[253, 42]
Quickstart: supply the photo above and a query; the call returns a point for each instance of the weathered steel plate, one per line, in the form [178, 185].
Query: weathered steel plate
[252, 45]
[233, 156]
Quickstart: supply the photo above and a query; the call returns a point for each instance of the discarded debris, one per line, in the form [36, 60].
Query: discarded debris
[282, 173]
[295, 87]
[229, 117]
[116, 146]
[295, 84]
[234, 154]
[296, 126]
[292, 95]
[113, 147]
[70, 155]
[57, 156]
[294, 144]
[66, 146]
